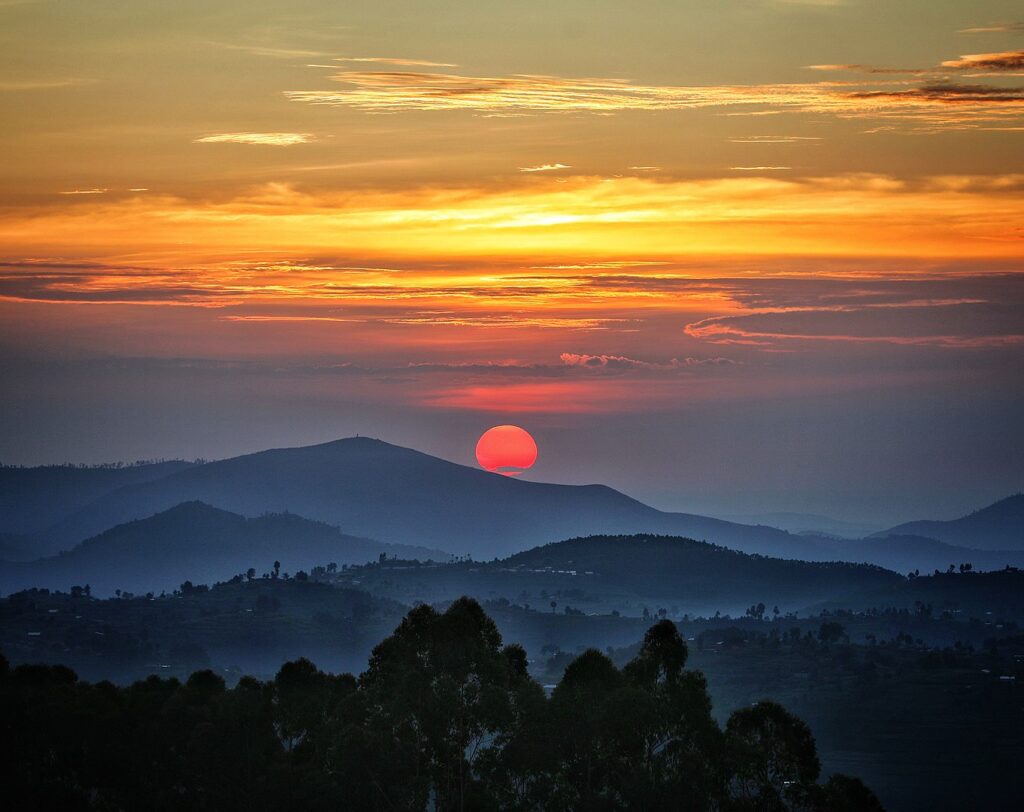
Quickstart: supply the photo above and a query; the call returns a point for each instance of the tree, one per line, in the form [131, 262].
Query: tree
[440, 685]
[277, 568]
[445, 717]
[773, 758]
[831, 632]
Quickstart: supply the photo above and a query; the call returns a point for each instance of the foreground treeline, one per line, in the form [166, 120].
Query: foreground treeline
[443, 718]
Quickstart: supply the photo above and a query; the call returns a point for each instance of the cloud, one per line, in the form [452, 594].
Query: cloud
[760, 168]
[95, 191]
[17, 85]
[870, 69]
[621, 363]
[550, 397]
[774, 139]
[544, 168]
[997, 28]
[262, 139]
[959, 312]
[999, 61]
[390, 60]
[948, 93]
[268, 50]
[602, 361]
[405, 91]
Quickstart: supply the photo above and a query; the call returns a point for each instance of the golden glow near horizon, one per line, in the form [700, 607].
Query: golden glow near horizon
[500, 189]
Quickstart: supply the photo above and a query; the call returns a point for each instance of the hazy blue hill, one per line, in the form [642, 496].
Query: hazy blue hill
[197, 542]
[365, 485]
[371, 488]
[368, 487]
[1000, 526]
[33, 499]
[14, 547]
[601, 573]
[908, 553]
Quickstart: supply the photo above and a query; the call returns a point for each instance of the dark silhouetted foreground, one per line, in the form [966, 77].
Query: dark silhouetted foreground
[444, 717]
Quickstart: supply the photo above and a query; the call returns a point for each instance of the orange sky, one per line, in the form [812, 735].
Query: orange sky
[469, 212]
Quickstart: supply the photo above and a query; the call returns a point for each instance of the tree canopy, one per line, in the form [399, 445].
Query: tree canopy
[445, 717]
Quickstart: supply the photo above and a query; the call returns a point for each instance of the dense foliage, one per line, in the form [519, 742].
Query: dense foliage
[444, 717]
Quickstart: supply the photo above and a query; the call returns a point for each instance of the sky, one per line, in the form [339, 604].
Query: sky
[730, 257]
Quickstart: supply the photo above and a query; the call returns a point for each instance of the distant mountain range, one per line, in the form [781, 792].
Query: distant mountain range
[194, 541]
[34, 499]
[372, 489]
[999, 526]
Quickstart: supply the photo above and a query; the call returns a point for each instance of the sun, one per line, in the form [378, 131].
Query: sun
[507, 450]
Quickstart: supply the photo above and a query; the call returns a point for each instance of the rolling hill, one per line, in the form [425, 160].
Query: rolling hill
[33, 499]
[197, 542]
[627, 573]
[373, 489]
[1000, 526]
[240, 627]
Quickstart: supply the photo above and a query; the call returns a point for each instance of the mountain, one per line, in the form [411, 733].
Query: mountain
[1000, 526]
[33, 499]
[374, 489]
[806, 523]
[197, 542]
[599, 574]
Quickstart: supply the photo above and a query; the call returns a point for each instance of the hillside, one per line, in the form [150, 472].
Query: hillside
[245, 626]
[972, 594]
[1000, 526]
[374, 489]
[371, 488]
[194, 541]
[627, 574]
[33, 499]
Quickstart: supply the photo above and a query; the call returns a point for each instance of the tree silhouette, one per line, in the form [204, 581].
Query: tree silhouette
[445, 717]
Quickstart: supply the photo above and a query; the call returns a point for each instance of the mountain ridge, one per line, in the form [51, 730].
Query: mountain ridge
[198, 542]
[998, 526]
[374, 489]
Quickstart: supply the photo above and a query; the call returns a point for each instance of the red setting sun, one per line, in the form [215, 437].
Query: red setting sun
[507, 450]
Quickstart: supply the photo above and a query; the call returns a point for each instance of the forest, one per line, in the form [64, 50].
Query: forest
[444, 717]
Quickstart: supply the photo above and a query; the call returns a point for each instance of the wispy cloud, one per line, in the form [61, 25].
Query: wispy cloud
[94, 191]
[621, 363]
[587, 226]
[960, 312]
[870, 69]
[25, 85]
[544, 168]
[999, 61]
[995, 28]
[263, 49]
[262, 139]
[760, 168]
[402, 91]
[393, 60]
[774, 139]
